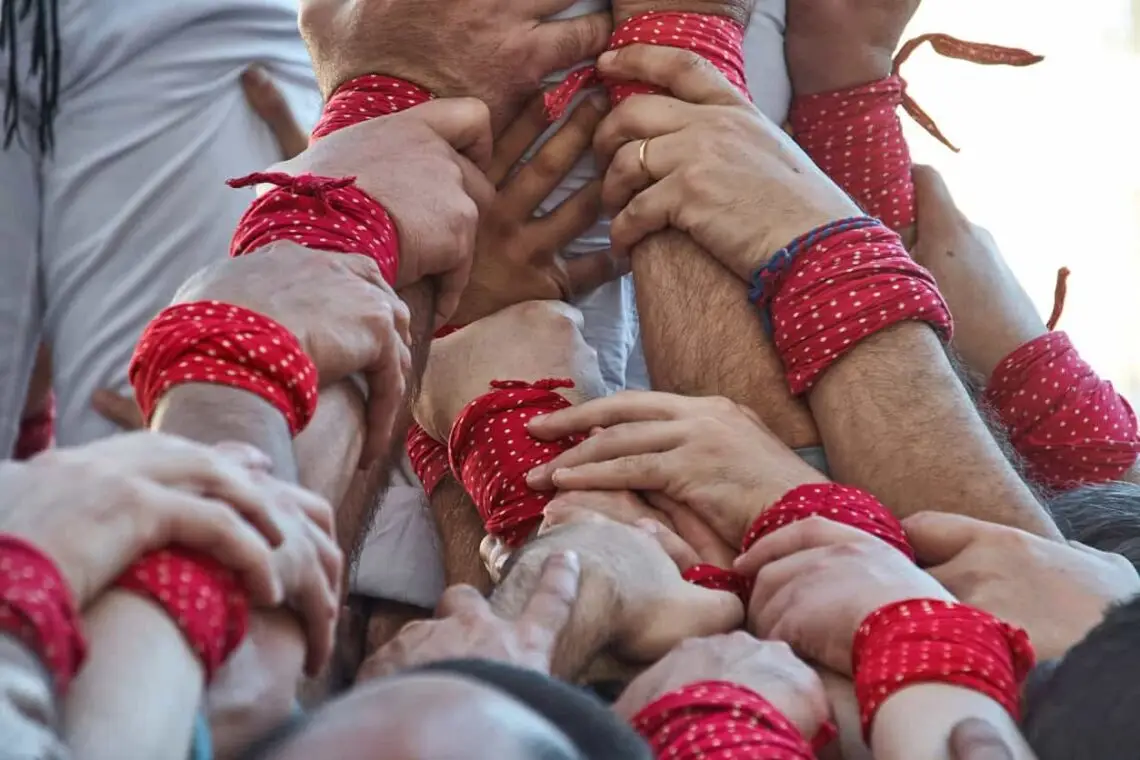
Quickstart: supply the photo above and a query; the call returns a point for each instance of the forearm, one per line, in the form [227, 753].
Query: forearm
[915, 723]
[139, 690]
[931, 450]
[460, 532]
[702, 337]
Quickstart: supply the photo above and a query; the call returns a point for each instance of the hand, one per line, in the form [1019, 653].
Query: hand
[709, 454]
[468, 628]
[739, 11]
[714, 167]
[993, 315]
[346, 317]
[1057, 592]
[410, 163]
[122, 410]
[836, 44]
[976, 739]
[653, 608]
[517, 254]
[530, 341]
[818, 580]
[95, 509]
[498, 51]
[768, 668]
[268, 103]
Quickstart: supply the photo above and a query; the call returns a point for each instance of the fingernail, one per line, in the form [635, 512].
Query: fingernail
[255, 74]
[649, 526]
[573, 561]
[535, 475]
[606, 58]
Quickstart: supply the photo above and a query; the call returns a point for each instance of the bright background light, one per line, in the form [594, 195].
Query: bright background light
[1050, 159]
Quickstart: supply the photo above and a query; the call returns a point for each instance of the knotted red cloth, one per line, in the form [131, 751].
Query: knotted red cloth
[845, 287]
[428, 458]
[367, 97]
[322, 213]
[37, 609]
[842, 504]
[202, 597]
[717, 39]
[719, 579]
[492, 451]
[718, 720]
[222, 344]
[1071, 426]
[855, 135]
[933, 641]
[37, 433]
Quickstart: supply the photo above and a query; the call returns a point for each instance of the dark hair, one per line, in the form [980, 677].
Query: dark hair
[1087, 706]
[1105, 516]
[45, 63]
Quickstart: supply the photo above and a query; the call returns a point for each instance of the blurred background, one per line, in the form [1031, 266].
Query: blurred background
[1050, 159]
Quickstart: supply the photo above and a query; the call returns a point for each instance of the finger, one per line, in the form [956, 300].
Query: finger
[626, 176]
[652, 210]
[935, 206]
[565, 43]
[616, 442]
[547, 168]
[121, 410]
[550, 604]
[494, 552]
[246, 455]
[813, 533]
[685, 74]
[938, 537]
[461, 600]
[465, 123]
[641, 117]
[573, 217]
[317, 606]
[626, 406]
[386, 387]
[331, 559]
[683, 555]
[364, 267]
[519, 135]
[975, 739]
[268, 103]
[773, 577]
[694, 531]
[585, 274]
[215, 529]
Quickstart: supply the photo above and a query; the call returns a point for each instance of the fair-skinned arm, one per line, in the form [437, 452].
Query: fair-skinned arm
[896, 387]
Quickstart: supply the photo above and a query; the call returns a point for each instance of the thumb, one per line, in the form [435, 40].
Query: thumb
[121, 410]
[465, 123]
[683, 555]
[938, 537]
[935, 204]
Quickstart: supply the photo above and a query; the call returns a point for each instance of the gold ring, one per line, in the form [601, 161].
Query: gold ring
[642, 156]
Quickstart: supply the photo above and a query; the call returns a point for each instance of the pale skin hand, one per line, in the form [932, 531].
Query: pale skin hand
[1057, 592]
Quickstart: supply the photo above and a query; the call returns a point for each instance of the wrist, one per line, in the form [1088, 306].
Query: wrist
[812, 73]
[739, 11]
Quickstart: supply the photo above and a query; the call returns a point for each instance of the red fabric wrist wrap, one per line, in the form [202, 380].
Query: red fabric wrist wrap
[37, 433]
[428, 457]
[222, 344]
[717, 720]
[1071, 426]
[202, 597]
[931, 641]
[843, 288]
[328, 213]
[36, 608]
[491, 451]
[856, 137]
[717, 39]
[322, 213]
[719, 579]
[842, 504]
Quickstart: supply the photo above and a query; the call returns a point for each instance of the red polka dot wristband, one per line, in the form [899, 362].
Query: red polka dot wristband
[842, 504]
[931, 641]
[202, 597]
[1071, 426]
[848, 285]
[37, 433]
[428, 458]
[492, 451]
[717, 720]
[37, 609]
[719, 579]
[221, 344]
[717, 39]
[321, 213]
[367, 97]
[855, 135]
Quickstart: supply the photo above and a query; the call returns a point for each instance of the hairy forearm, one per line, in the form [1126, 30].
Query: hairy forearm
[460, 532]
[703, 338]
[915, 724]
[590, 628]
[896, 421]
[139, 690]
